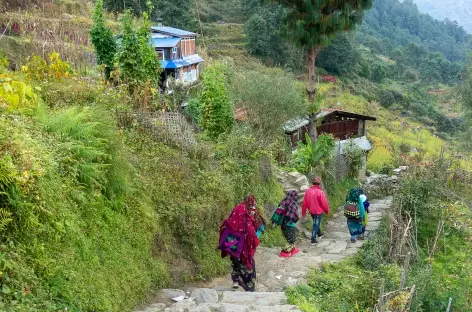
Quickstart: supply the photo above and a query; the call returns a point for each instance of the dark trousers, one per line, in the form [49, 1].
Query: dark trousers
[316, 227]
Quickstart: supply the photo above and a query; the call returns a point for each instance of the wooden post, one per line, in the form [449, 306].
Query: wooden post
[406, 265]
[382, 290]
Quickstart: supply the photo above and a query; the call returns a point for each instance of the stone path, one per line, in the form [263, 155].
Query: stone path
[275, 273]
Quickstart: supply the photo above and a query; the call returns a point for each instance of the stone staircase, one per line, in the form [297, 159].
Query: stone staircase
[273, 273]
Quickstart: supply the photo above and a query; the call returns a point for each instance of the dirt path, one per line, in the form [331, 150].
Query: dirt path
[275, 273]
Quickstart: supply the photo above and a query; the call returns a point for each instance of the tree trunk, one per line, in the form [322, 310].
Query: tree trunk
[311, 58]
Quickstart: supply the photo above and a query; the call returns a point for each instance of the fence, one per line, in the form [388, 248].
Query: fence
[167, 127]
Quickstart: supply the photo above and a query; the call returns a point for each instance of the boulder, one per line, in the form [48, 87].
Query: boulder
[172, 293]
[301, 180]
[205, 295]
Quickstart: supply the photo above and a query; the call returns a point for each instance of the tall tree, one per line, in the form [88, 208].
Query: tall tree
[340, 57]
[176, 13]
[103, 40]
[313, 23]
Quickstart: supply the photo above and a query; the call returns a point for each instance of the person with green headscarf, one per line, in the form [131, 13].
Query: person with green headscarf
[355, 213]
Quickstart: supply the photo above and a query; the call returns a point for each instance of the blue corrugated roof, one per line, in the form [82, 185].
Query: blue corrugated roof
[165, 42]
[186, 61]
[173, 64]
[173, 31]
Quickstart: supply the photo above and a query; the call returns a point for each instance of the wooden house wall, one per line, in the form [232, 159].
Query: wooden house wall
[341, 129]
[188, 46]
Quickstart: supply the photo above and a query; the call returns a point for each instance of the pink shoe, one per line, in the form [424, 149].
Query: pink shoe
[284, 254]
[295, 251]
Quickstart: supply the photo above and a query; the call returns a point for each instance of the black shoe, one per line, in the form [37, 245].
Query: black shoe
[320, 235]
[313, 243]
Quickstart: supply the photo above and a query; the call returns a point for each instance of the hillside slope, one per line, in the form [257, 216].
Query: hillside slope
[453, 10]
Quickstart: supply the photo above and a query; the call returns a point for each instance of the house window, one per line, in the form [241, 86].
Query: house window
[174, 50]
[160, 54]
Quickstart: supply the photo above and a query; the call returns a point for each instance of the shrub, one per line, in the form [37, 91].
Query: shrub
[136, 59]
[217, 111]
[354, 156]
[16, 96]
[313, 155]
[40, 69]
[269, 98]
[103, 40]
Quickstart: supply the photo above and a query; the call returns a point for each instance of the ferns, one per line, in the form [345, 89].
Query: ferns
[84, 144]
[5, 219]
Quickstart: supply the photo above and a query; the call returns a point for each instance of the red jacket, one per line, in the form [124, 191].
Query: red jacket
[315, 201]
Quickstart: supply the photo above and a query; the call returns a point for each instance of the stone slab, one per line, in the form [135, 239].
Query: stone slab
[255, 298]
[205, 295]
[337, 247]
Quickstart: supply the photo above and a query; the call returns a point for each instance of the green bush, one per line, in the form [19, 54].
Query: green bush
[313, 155]
[217, 111]
[354, 156]
[270, 99]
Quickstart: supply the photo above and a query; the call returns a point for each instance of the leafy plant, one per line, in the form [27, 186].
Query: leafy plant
[40, 69]
[138, 65]
[313, 155]
[103, 40]
[217, 111]
[354, 157]
[16, 95]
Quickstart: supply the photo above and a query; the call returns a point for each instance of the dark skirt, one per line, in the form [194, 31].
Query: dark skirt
[242, 275]
[290, 234]
[355, 226]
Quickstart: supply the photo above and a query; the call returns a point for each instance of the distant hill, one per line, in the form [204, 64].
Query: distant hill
[454, 10]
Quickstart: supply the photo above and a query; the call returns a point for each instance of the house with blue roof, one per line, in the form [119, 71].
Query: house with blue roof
[177, 51]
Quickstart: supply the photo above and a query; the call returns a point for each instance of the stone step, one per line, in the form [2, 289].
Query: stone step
[254, 298]
[228, 307]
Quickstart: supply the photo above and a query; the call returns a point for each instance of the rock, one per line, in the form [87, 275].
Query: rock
[291, 281]
[228, 307]
[304, 187]
[337, 235]
[294, 174]
[323, 243]
[301, 180]
[172, 293]
[201, 309]
[205, 295]
[350, 251]
[333, 257]
[255, 298]
[155, 307]
[337, 247]
[297, 274]
[181, 306]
